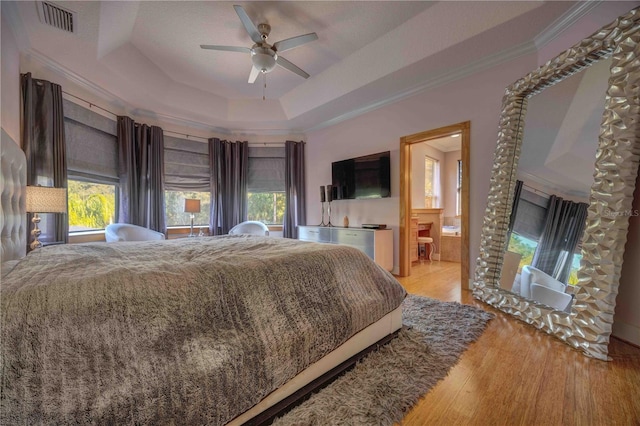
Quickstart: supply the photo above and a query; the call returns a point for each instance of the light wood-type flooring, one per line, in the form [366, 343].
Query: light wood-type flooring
[516, 375]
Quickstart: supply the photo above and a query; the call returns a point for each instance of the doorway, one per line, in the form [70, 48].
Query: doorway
[464, 130]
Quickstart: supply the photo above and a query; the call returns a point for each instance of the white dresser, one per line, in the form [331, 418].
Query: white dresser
[376, 243]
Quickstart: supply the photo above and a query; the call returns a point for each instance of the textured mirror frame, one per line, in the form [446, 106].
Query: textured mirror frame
[588, 326]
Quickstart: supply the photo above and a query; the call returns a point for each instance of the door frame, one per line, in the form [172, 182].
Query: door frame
[464, 128]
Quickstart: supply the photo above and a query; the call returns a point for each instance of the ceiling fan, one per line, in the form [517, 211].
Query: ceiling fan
[264, 55]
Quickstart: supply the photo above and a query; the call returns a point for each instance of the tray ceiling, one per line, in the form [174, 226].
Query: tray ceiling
[146, 56]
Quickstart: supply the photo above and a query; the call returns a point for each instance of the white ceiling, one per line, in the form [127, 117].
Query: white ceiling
[446, 144]
[145, 56]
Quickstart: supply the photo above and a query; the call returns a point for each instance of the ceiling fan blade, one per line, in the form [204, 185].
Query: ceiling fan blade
[255, 72]
[291, 67]
[248, 24]
[292, 42]
[226, 48]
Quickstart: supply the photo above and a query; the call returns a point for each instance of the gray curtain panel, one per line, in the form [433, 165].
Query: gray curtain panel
[564, 225]
[514, 209]
[295, 213]
[155, 187]
[43, 142]
[140, 171]
[229, 163]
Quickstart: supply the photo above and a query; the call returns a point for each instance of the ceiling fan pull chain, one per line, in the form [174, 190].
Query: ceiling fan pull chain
[264, 88]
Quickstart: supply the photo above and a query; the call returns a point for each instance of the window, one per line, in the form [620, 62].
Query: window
[266, 207]
[575, 265]
[524, 246]
[92, 205]
[174, 203]
[265, 185]
[431, 183]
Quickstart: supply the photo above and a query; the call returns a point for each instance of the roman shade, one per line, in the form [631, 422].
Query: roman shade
[266, 172]
[92, 145]
[186, 165]
[530, 215]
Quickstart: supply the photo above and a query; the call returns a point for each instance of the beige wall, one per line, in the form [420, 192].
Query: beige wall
[626, 322]
[10, 103]
[476, 98]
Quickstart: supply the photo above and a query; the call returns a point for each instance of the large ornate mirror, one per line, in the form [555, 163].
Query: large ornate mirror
[568, 149]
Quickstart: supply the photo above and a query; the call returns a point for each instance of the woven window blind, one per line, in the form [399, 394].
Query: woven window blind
[186, 165]
[266, 169]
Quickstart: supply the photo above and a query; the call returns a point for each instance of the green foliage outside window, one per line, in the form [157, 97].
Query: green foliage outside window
[526, 248]
[91, 205]
[523, 246]
[266, 207]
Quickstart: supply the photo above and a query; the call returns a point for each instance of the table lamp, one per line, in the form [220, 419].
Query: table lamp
[43, 199]
[191, 206]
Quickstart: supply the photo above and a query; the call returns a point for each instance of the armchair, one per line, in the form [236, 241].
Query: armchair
[530, 275]
[250, 227]
[127, 232]
[550, 297]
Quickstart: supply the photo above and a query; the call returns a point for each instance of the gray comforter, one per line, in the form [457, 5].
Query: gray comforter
[190, 331]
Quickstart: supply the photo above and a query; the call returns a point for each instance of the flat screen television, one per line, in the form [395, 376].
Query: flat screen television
[362, 177]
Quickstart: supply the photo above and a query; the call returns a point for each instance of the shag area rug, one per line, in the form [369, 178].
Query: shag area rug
[383, 386]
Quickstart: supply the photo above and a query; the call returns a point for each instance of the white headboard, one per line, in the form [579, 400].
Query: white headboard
[13, 220]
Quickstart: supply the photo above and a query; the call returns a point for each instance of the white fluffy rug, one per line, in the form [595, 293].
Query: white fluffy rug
[383, 387]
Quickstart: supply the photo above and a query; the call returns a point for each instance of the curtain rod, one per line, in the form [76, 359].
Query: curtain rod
[535, 190]
[192, 137]
[91, 104]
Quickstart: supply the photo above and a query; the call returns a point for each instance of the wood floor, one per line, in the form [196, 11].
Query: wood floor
[517, 375]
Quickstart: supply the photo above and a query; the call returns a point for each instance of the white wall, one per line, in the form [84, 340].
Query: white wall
[476, 98]
[450, 182]
[10, 104]
[626, 322]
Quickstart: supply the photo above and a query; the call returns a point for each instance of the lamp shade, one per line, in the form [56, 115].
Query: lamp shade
[191, 205]
[43, 199]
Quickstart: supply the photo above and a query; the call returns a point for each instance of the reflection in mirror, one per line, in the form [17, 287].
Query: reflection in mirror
[562, 156]
[554, 177]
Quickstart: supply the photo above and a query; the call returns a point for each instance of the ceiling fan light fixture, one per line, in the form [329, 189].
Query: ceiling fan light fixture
[263, 59]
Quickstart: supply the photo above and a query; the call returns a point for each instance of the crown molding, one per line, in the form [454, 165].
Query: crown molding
[566, 20]
[440, 79]
[107, 96]
[115, 101]
[546, 36]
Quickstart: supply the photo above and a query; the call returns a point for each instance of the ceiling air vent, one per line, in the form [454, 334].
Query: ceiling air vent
[56, 16]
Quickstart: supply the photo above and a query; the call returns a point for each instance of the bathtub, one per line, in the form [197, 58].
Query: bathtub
[451, 231]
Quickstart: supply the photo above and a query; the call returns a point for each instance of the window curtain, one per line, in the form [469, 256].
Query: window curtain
[141, 171]
[43, 142]
[295, 210]
[228, 162]
[514, 209]
[564, 225]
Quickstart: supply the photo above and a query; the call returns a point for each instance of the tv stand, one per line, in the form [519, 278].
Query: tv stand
[375, 243]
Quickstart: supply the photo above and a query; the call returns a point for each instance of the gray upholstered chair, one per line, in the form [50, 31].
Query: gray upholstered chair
[250, 227]
[127, 232]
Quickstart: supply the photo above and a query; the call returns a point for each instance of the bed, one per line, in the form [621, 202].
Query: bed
[210, 330]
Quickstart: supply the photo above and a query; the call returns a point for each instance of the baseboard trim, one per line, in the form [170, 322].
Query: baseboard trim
[626, 332]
